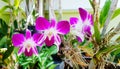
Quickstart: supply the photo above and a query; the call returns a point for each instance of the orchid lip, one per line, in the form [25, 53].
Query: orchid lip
[29, 43]
[51, 32]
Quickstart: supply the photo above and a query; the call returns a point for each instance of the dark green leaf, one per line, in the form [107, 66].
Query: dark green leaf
[11, 31]
[116, 52]
[4, 27]
[3, 41]
[8, 52]
[104, 12]
[15, 24]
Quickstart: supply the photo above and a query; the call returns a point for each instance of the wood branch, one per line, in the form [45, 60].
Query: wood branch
[111, 10]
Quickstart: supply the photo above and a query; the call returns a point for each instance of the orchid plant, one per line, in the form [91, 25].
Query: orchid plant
[49, 32]
[80, 42]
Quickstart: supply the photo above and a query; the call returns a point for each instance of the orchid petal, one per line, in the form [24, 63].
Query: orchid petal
[37, 37]
[17, 39]
[21, 50]
[42, 23]
[73, 21]
[83, 14]
[57, 40]
[90, 17]
[87, 30]
[53, 23]
[41, 39]
[28, 34]
[49, 42]
[28, 53]
[80, 37]
[35, 51]
[63, 27]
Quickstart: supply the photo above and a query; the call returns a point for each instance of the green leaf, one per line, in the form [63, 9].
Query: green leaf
[97, 33]
[104, 12]
[116, 52]
[52, 50]
[4, 27]
[118, 39]
[3, 41]
[17, 3]
[116, 13]
[106, 50]
[15, 24]
[49, 64]
[25, 63]
[4, 8]
[6, 1]
[52, 66]
[8, 53]
[91, 3]
[5, 16]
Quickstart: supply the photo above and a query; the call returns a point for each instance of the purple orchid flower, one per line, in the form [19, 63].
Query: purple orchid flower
[81, 27]
[51, 30]
[26, 43]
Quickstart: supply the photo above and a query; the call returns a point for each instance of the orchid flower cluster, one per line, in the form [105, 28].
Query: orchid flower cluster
[49, 31]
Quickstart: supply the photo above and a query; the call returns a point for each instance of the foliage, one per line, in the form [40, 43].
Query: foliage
[43, 60]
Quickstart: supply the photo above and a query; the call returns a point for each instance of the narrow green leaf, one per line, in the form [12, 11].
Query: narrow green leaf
[106, 50]
[52, 66]
[15, 24]
[91, 3]
[25, 63]
[52, 50]
[6, 1]
[116, 52]
[97, 32]
[104, 12]
[49, 64]
[8, 53]
[116, 13]
[118, 39]
[4, 8]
